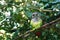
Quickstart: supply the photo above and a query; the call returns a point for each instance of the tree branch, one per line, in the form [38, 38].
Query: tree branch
[44, 10]
[27, 33]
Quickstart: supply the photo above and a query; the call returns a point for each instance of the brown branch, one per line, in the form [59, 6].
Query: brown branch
[52, 22]
[27, 33]
[43, 10]
[44, 26]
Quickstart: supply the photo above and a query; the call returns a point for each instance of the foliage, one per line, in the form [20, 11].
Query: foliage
[15, 16]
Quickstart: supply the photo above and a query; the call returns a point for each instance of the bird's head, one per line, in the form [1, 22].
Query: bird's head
[35, 15]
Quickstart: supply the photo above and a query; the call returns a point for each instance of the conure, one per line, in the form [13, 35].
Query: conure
[36, 21]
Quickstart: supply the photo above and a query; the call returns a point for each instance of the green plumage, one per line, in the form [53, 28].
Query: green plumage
[36, 22]
[36, 25]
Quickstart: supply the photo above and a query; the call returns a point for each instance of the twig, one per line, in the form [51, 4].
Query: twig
[43, 10]
[45, 25]
[52, 22]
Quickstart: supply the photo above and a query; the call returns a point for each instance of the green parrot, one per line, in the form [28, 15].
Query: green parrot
[36, 21]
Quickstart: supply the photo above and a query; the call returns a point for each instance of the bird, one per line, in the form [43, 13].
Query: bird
[36, 21]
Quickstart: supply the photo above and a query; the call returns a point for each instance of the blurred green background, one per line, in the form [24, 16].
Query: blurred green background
[15, 16]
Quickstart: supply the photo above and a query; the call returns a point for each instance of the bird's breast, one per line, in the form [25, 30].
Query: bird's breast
[35, 23]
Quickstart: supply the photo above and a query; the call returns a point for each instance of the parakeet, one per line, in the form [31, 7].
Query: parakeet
[36, 21]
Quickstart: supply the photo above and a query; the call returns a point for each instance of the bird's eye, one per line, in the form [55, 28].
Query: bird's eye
[33, 14]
